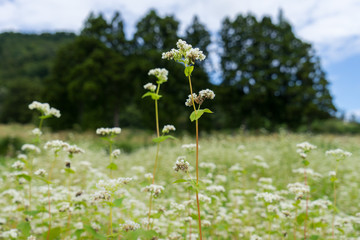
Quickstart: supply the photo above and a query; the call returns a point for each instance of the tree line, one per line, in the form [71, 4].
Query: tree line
[270, 78]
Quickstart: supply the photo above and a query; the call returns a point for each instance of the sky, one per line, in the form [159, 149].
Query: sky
[331, 26]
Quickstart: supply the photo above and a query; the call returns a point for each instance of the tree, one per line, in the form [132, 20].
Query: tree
[270, 77]
[197, 34]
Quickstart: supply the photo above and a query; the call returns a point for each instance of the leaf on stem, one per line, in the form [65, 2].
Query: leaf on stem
[154, 96]
[195, 115]
[118, 202]
[188, 70]
[112, 166]
[162, 138]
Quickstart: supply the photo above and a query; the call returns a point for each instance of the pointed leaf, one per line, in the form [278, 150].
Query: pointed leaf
[162, 138]
[112, 166]
[188, 70]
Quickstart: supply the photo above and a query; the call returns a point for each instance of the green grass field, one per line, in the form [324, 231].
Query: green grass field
[234, 169]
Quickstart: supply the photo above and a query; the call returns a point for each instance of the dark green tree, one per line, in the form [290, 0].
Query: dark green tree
[270, 77]
[197, 35]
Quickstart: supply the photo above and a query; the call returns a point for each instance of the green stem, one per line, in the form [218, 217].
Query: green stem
[334, 203]
[49, 194]
[197, 158]
[307, 206]
[110, 157]
[30, 182]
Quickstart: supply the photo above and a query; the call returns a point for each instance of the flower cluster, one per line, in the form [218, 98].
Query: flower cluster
[56, 145]
[168, 128]
[185, 53]
[18, 165]
[116, 153]
[338, 153]
[189, 147]
[304, 148]
[181, 164]
[36, 132]
[149, 86]
[73, 149]
[100, 196]
[45, 109]
[160, 73]
[30, 148]
[112, 185]
[40, 172]
[153, 189]
[108, 131]
[199, 99]
[129, 226]
[299, 189]
[268, 197]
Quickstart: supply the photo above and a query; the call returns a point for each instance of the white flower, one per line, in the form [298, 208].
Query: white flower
[129, 226]
[189, 101]
[268, 197]
[18, 165]
[299, 189]
[338, 153]
[148, 175]
[332, 174]
[73, 149]
[55, 145]
[108, 131]
[255, 237]
[206, 94]
[116, 153]
[40, 172]
[181, 164]
[79, 225]
[150, 86]
[12, 233]
[168, 128]
[112, 185]
[153, 189]
[31, 237]
[215, 189]
[36, 132]
[22, 157]
[159, 73]
[100, 196]
[30, 148]
[45, 109]
[185, 53]
[305, 146]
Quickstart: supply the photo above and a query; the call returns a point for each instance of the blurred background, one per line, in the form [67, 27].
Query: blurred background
[273, 64]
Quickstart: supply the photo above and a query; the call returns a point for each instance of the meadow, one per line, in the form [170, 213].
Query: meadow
[234, 169]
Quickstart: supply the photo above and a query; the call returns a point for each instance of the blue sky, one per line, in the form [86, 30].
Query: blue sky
[332, 26]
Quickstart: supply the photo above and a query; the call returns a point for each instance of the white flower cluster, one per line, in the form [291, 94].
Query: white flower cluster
[199, 99]
[150, 86]
[181, 164]
[304, 148]
[12, 233]
[45, 109]
[148, 175]
[31, 237]
[208, 165]
[100, 196]
[184, 53]
[168, 128]
[36, 132]
[338, 153]
[189, 147]
[108, 131]
[332, 174]
[116, 153]
[30, 148]
[299, 189]
[55, 145]
[321, 203]
[18, 165]
[308, 171]
[40, 172]
[215, 189]
[22, 157]
[255, 237]
[112, 185]
[159, 73]
[153, 189]
[268, 197]
[129, 226]
[73, 149]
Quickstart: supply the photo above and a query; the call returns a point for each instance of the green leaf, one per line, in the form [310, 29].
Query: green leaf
[154, 96]
[25, 228]
[33, 213]
[314, 237]
[300, 218]
[69, 170]
[112, 166]
[144, 234]
[188, 70]
[306, 162]
[162, 138]
[340, 230]
[25, 176]
[195, 115]
[54, 233]
[78, 233]
[42, 179]
[180, 181]
[118, 202]
[90, 230]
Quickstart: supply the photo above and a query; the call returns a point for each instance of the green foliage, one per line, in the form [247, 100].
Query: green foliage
[195, 115]
[9, 146]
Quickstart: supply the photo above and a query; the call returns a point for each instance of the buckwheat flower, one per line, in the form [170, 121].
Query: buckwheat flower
[65, 207]
[183, 45]
[236, 168]
[181, 165]
[185, 53]
[167, 128]
[305, 146]
[22, 157]
[116, 153]
[206, 94]
[108, 131]
[299, 189]
[112, 185]
[12, 233]
[206, 223]
[148, 175]
[159, 73]
[338, 153]
[40, 172]
[45, 109]
[189, 147]
[129, 226]
[210, 166]
[2, 221]
[332, 174]
[215, 189]
[73, 149]
[95, 226]
[321, 203]
[309, 171]
[189, 101]
[195, 54]
[150, 86]
[79, 225]
[268, 197]
[36, 132]
[255, 237]
[31, 237]
[153, 189]
[30, 148]
[18, 165]
[55, 145]
[204, 198]
[100, 196]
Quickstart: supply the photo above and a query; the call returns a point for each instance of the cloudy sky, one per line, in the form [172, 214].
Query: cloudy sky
[332, 26]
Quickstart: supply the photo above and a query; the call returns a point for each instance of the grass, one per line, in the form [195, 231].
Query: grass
[232, 214]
